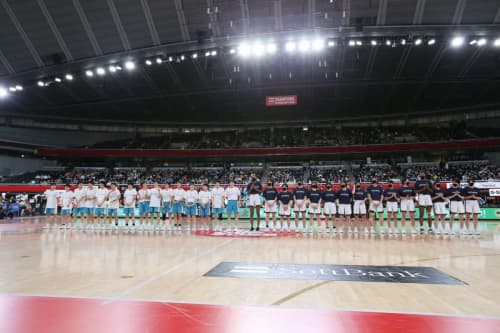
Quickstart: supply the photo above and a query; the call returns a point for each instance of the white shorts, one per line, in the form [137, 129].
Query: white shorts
[269, 207]
[439, 208]
[407, 205]
[297, 206]
[424, 200]
[314, 208]
[457, 207]
[376, 206]
[472, 207]
[359, 207]
[345, 209]
[330, 208]
[285, 212]
[254, 200]
[392, 206]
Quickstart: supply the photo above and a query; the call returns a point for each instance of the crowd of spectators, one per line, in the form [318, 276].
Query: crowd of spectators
[295, 137]
[290, 175]
[462, 171]
[327, 174]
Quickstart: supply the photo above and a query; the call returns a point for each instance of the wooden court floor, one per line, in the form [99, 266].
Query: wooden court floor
[169, 267]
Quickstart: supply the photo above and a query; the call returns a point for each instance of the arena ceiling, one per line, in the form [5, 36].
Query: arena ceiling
[42, 40]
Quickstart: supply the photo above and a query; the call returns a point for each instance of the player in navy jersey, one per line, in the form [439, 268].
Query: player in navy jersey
[270, 203]
[375, 196]
[329, 207]
[423, 188]
[472, 207]
[299, 202]
[359, 197]
[439, 201]
[344, 200]
[285, 199]
[254, 189]
[407, 199]
[456, 196]
[391, 203]
[314, 198]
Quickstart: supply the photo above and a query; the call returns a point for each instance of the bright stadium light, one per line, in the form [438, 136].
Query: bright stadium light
[304, 46]
[373, 42]
[496, 42]
[148, 62]
[19, 88]
[213, 53]
[258, 49]
[388, 42]
[481, 42]
[195, 55]
[457, 41]
[271, 48]
[130, 65]
[89, 73]
[170, 59]
[183, 57]
[159, 61]
[13, 89]
[100, 71]
[244, 50]
[331, 43]
[352, 43]
[290, 47]
[112, 69]
[431, 41]
[41, 84]
[418, 41]
[359, 43]
[3, 92]
[232, 51]
[57, 79]
[207, 54]
[318, 45]
[403, 41]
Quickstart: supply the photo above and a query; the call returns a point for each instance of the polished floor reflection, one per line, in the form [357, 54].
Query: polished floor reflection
[169, 266]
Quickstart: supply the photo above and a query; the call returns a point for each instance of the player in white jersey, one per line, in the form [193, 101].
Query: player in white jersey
[67, 201]
[166, 199]
[218, 198]
[233, 197]
[178, 195]
[90, 198]
[129, 199]
[143, 199]
[78, 210]
[113, 204]
[190, 200]
[155, 204]
[204, 202]
[51, 206]
[101, 195]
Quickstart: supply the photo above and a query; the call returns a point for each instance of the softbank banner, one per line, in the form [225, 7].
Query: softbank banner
[287, 100]
[391, 274]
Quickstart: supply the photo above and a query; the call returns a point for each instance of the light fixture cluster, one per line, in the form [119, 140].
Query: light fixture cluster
[256, 49]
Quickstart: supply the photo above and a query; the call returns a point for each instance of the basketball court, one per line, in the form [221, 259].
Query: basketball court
[141, 281]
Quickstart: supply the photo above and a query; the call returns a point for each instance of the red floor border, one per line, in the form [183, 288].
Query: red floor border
[20, 314]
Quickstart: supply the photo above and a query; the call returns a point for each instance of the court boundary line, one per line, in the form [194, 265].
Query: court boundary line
[327, 309]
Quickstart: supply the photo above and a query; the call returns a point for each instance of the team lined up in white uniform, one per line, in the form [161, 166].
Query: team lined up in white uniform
[328, 210]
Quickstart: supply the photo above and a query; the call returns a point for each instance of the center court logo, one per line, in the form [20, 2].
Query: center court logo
[392, 274]
[244, 234]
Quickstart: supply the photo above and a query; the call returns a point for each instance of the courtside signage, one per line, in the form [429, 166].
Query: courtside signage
[287, 100]
[359, 273]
